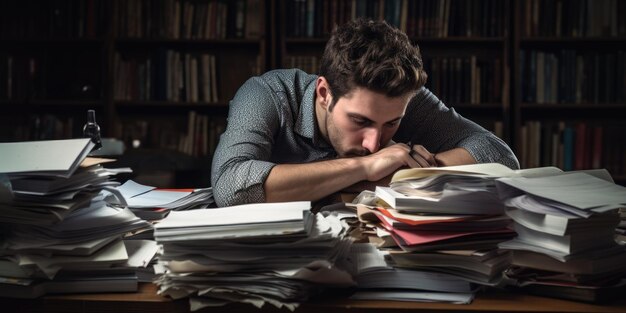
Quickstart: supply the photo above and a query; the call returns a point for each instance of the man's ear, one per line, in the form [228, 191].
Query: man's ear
[322, 92]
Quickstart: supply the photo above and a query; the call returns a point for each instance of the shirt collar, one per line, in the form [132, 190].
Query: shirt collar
[306, 124]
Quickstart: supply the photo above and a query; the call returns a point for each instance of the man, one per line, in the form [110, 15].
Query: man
[294, 136]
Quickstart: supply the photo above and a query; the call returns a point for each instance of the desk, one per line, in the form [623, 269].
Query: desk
[147, 301]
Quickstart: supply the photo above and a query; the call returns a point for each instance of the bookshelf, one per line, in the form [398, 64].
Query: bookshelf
[569, 97]
[158, 73]
[35, 39]
[132, 62]
[182, 61]
[466, 42]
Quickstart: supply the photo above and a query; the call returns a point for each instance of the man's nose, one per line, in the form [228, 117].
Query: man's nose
[371, 139]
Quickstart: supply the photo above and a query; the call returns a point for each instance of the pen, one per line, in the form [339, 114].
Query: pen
[412, 152]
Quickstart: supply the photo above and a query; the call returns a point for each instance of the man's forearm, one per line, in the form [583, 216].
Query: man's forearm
[456, 156]
[312, 181]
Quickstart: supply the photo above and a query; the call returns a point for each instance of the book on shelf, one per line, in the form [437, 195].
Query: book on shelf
[193, 20]
[585, 18]
[196, 135]
[167, 75]
[438, 19]
[572, 76]
[53, 19]
[466, 79]
[567, 145]
[309, 64]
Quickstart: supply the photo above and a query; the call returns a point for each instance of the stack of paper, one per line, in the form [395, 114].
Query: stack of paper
[464, 189]
[447, 219]
[566, 232]
[52, 158]
[377, 280]
[461, 245]
[59, 229]
[151, 203]
[276, 253]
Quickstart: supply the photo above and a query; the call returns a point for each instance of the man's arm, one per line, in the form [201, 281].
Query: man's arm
[242, 170]
[241, 160]
[454, 139]
[456, 156]
[313, 181]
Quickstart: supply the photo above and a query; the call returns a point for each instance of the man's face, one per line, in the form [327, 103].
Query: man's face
[363, 122]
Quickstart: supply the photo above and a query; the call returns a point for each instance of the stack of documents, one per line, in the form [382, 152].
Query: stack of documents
[566, 232]
[277, 253]
[377, 280]
[461, 245]
[59, 229]
[464, 189]
[151, 203]
[47, 180]
[447, 219]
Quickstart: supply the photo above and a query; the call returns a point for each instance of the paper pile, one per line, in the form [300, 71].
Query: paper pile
[277, 253]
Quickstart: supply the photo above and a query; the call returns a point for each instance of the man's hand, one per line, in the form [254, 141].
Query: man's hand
[422, 156]
[389, 159]
[315, 180]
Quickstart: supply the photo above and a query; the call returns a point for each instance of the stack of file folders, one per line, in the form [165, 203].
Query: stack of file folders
[566, 244]
[448, 220]
[60, 234]
[277, 253]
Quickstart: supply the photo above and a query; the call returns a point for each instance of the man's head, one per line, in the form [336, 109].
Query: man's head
[372, 55]
[368, 74]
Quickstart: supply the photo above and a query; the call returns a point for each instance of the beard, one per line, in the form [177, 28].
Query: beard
[335, 136]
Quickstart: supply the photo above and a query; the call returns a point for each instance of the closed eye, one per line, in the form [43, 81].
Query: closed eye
[393, 123]
[361, 121]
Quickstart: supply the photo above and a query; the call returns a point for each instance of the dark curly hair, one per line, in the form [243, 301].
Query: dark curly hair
[374, 55]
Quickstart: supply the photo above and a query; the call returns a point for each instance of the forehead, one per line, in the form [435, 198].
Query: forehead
[374, 105]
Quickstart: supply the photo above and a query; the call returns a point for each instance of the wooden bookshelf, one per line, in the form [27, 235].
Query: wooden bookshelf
[72, 47]
[67, 56]
[568, 66]
[52, 67]
[453, 45]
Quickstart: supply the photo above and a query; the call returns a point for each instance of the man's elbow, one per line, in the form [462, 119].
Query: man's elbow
[226, 195]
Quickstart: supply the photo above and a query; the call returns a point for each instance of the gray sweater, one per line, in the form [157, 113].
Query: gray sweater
[272, 121]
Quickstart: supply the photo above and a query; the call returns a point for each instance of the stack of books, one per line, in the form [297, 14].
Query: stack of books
[565, 245]
[277, 253]
[61, 234]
